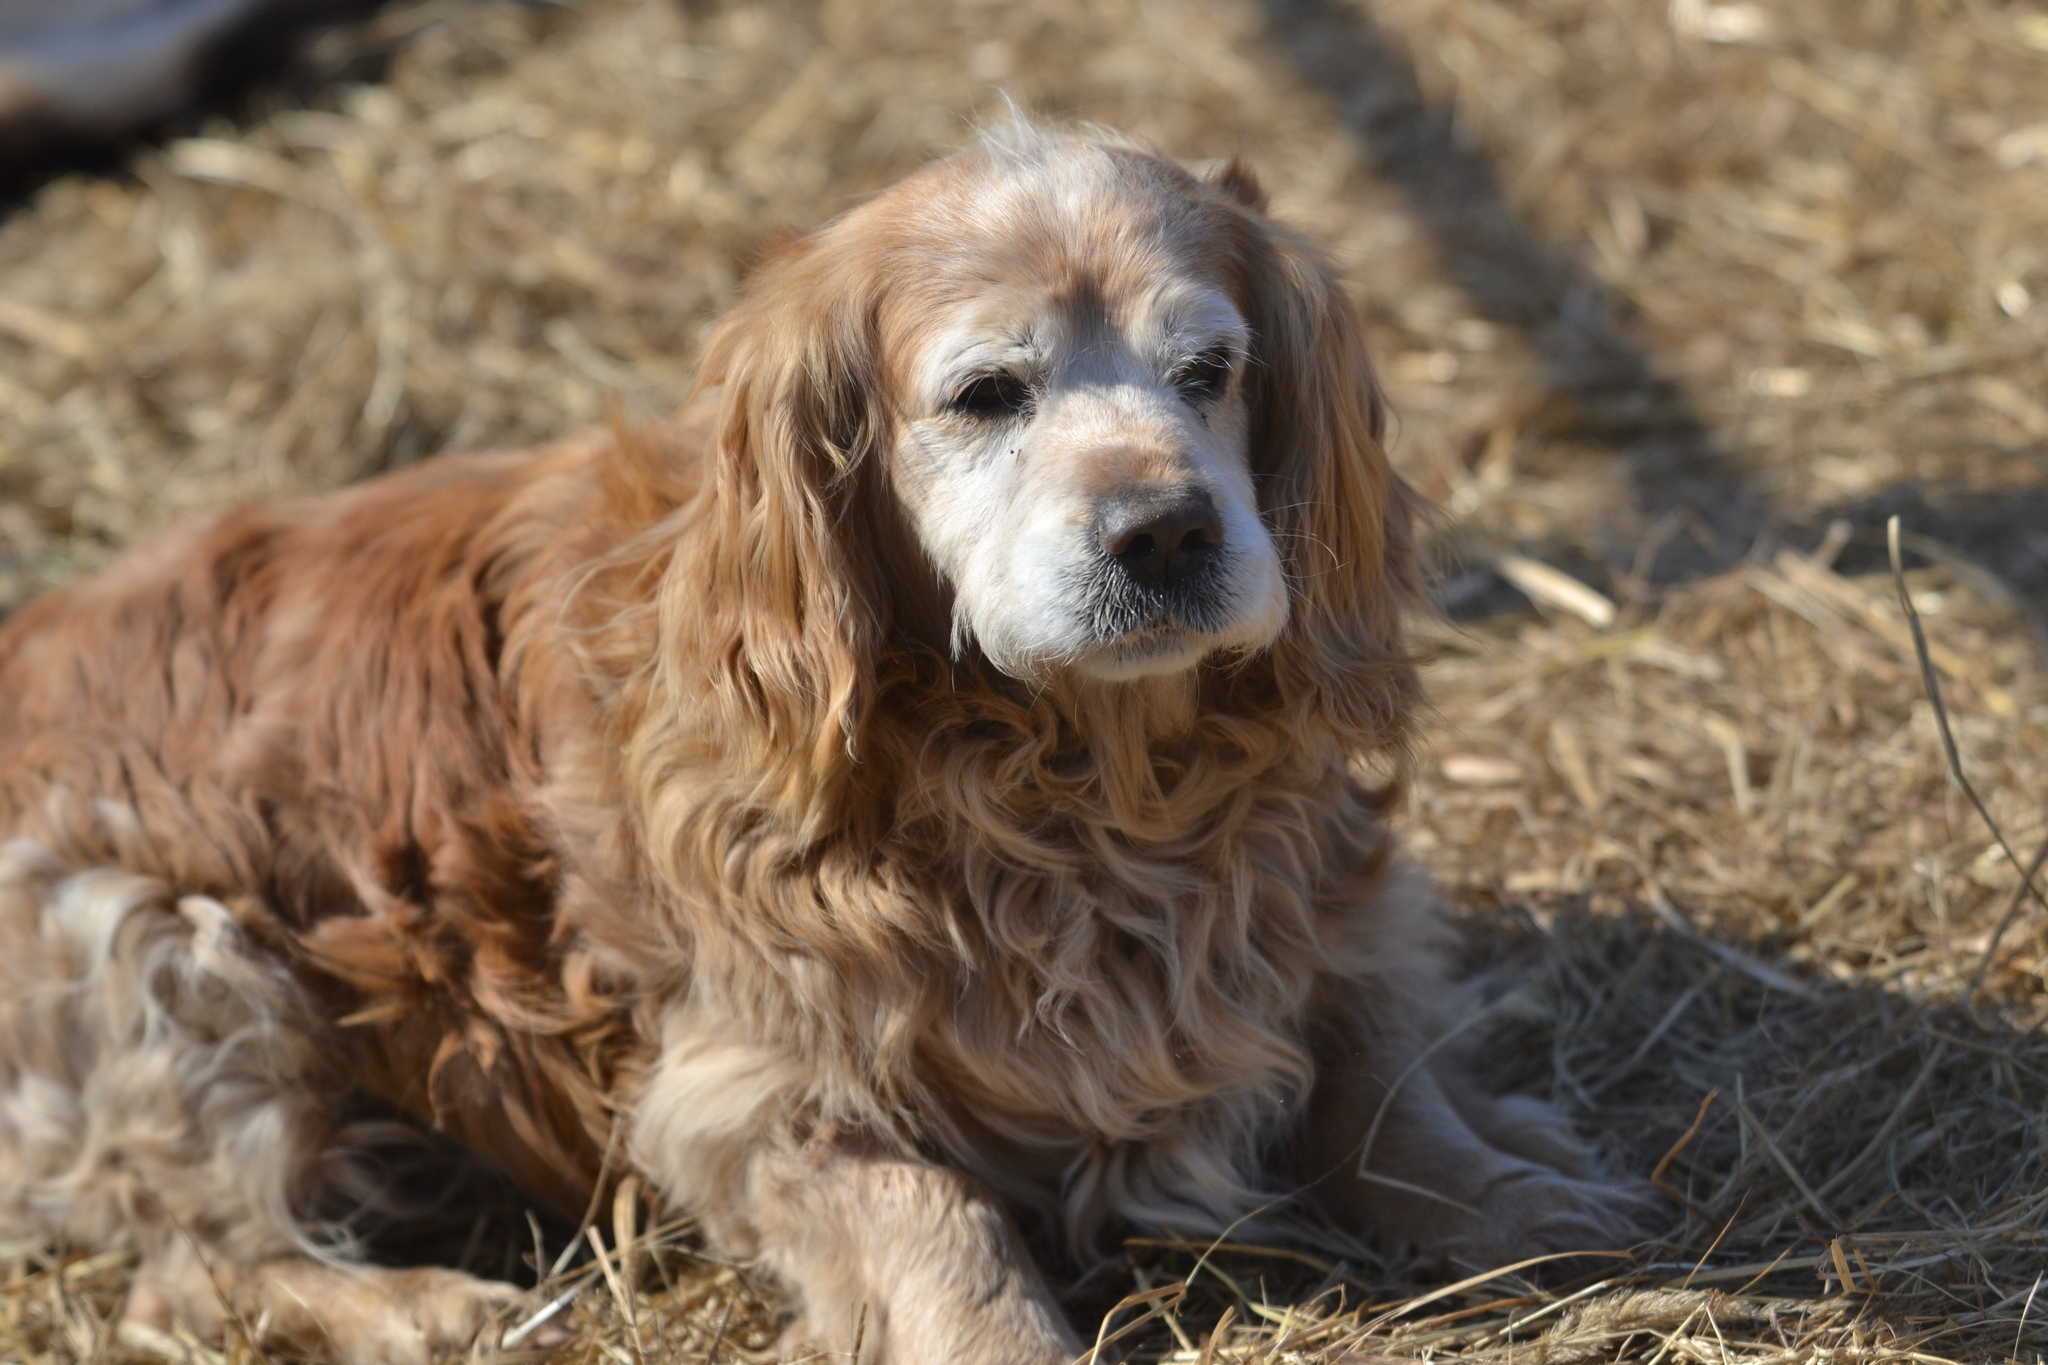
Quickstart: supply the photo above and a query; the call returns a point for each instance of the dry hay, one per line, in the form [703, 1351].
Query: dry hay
[1819, 209]
[1710, 844]
[1823, 224]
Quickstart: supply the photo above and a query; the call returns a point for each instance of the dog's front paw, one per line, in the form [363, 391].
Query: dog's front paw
[1537, 1211]
[357, 1315]
[448, 1308]
[915, 1337]
[367, 1315]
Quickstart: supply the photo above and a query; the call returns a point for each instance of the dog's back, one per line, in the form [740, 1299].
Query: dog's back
[331, 701]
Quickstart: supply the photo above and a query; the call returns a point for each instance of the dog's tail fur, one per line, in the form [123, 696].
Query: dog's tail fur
[153, 1068]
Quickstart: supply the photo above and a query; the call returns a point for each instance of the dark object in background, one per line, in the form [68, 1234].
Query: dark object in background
[79, 76]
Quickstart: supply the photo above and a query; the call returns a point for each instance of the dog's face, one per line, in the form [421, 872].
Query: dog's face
[1071, 441]
[1089, 414]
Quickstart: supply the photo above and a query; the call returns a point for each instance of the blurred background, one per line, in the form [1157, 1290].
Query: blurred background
[1676, 304]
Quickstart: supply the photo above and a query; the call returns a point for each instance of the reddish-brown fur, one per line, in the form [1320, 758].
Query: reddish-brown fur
[632, 777]
[332, 709]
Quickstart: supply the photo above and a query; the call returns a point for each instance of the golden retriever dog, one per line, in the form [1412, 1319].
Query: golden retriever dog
[923, 803]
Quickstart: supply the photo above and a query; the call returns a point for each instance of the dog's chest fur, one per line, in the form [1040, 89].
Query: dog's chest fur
[1091, 990]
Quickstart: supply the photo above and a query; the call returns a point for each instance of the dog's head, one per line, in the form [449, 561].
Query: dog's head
[1062, 403]
[1072, 432]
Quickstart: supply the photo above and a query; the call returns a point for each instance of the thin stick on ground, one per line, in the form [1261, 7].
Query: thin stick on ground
[1955, 758]
[2012, 911]
[1663, 1165]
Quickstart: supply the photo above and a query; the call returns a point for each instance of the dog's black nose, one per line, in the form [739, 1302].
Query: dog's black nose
[1160, 535]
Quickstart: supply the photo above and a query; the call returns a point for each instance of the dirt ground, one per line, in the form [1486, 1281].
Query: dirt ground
[1680, 302]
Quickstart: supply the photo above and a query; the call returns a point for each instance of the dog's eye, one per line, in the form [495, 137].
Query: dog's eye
[993, 395]
[1204, 377]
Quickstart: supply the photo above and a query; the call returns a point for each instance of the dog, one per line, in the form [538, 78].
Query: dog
[924, 801]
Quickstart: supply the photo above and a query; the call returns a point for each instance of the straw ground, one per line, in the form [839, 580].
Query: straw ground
[1679, 300]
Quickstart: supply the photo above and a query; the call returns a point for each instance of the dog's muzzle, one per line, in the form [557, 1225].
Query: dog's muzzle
[1159, 564]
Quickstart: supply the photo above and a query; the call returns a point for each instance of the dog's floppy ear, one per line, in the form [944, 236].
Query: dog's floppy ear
[1340, 514]
[776, 594]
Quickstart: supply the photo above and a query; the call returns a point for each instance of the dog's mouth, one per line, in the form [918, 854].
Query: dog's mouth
[1115, 615]
[1138, 629]
[1145, 653]
[1123, 611]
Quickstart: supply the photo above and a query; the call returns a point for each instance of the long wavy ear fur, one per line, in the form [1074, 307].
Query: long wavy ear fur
[1342, 516]
[775, 595]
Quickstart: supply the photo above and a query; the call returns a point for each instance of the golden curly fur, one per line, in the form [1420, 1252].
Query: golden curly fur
[819, 785]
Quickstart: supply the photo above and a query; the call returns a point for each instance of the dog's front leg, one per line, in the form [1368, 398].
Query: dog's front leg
[911, 1259]
[1400, 1142]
